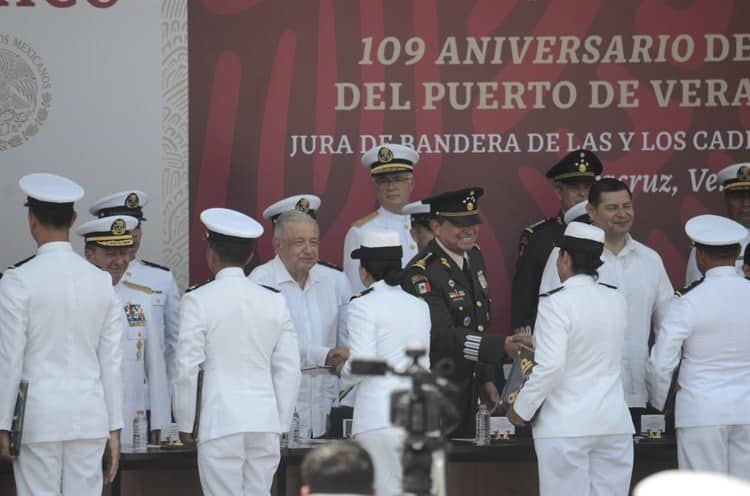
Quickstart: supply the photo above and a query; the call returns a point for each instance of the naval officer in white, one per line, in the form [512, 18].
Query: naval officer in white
[144, 373]
[735, 179]
[391, 168]
[707, 325]
[60, 330]
[317, 295]
[165, 296]
[583, 431]
[383, 320]
[242, 336]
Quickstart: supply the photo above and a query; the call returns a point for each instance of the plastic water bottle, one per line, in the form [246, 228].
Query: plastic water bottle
[482, 426]
[140, 432]
[294, 430]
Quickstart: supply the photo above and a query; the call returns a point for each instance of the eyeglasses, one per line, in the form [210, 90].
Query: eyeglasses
[388, 179]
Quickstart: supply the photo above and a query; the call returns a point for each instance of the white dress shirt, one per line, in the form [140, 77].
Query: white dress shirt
[382, 323]
[578, 339]
[693, 273]
[244, 338]
[380, 219]
[165, 305]
[144, 372]
[639, 273]
[317, 311]
[709, 327]
[61, 330]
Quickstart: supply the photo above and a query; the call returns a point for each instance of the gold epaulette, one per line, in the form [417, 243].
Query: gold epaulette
[367, 218]
[18, 264]
[138, 287]
[422, 262]
[530, 229]
[361, 293]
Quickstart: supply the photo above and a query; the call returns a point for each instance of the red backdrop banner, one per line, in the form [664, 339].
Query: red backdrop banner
[286, 95]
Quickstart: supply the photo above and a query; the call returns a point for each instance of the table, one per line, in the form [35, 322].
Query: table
[510, 466]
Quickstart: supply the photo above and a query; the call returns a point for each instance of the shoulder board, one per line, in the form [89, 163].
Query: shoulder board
[330, 266]
[196, 286]
[361, 293]
[139, 287]
[152, 264]
[271, 288]
[364, 220]
[530, 229]
[18, 264]
[422, 262]
[683, 291]
[548, 293]
[607, 285]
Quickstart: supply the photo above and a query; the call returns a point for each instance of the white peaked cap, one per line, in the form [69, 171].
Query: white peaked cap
[575, 211]
[121, 202]
[415, 208]
[386, 158]
[687, 483]
[50, 188]
[231, 223]
[581, 230]
[303, 203]
[380, 238]
[735, 176]
[110, 232]
[715, 230]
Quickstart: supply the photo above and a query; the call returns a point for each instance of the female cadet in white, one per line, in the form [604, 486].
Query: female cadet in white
[382, 321]
[60, 330]
[708, 325]
[243, 338]
[391, 168]
[583, 432]
[144, 373]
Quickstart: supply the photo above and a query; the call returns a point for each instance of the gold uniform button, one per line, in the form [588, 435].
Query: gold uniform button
[480, 328]
[406, 226]
[412, 246]
[460, 309]
[479, 304]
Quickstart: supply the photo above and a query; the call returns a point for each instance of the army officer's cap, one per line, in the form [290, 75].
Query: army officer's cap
[50, 191]
[576, 166]
[129, 202]
[379, 244]
[460, 207]
[390, 158]
[715, 230]
[308, 204]
[224, 224]
[114, 231]
[735, 177]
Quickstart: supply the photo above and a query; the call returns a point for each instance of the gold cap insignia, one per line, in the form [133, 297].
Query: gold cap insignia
[582, 167]
[469, 206]
[303, 205]
[385, 155]
[118, 227]
[132, 201]
[743, 173]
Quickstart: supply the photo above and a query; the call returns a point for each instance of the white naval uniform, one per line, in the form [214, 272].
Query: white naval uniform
[709, 326]
[317, 312]
[379, 219]
[381, 324]
[693, 273]
[583, 432]
[165, 304]
[144, 372]
[243, 337]
[60, 329]
[639, 273]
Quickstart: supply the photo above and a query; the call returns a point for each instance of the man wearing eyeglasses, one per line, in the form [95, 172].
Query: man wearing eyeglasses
[391, 168]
